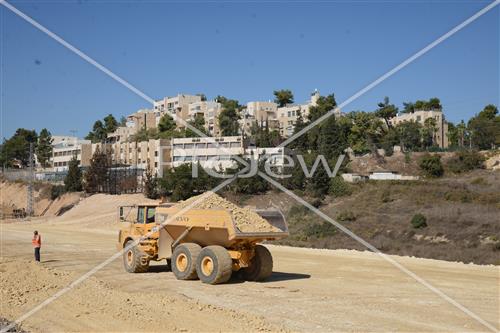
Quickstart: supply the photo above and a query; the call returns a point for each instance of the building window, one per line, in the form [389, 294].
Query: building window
[156, 164]
[156, 153]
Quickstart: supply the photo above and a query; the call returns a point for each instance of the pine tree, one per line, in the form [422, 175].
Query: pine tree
[150, 184]
[73, 180]
[96, 176]
[44, 147]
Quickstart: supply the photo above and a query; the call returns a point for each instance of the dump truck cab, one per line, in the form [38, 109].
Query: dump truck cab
[137, 221]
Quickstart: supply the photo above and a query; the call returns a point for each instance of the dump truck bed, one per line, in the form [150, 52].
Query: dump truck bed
[219, 227]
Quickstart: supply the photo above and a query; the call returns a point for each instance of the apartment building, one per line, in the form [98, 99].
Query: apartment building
[153, 154]
[142, 119]
[65, 149]
[274, 156]
[262, 111]
[420, 116]
[122, 134]
[177, 106]
[210, 111]
[211, 152]
[287, 117]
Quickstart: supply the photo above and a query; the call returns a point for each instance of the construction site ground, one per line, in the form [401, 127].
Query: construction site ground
[310, 290]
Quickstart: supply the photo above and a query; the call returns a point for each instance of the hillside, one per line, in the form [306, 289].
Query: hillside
[462, 216]
[13, 195]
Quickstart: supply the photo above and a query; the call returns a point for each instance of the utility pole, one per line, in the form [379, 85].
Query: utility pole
[29, 210]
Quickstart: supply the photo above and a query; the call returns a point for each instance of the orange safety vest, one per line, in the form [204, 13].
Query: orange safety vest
[37, 241]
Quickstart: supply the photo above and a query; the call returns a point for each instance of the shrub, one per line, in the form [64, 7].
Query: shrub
[419, 221]
[479, 181]
[385, 196]
[320, 230]
[56, 191]
[407, 157]
[339, 188]
[465, 160]
[346, 216]
[316, 202]
[297, 210]
[431, 165]
[459, 196]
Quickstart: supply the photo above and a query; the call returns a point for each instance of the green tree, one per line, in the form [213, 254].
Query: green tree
[98, 133]
[123, 121]
[17, 147]
[333, 138]
[429, 132]
[110, 124]
[166, 123]
[199, 123]
[431, 165]
[300, 143]
[73, 180]
[408, 107]
[434, 104]
[283, 97]
[178, 182]
[386, 111]
[410, 135]
[150, 184]
[365, 132]
[324, 105]
[229, 116]
[96, 176]
[484, 128]
[44, 148]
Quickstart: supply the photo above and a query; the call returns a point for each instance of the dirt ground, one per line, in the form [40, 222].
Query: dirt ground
[310, 290]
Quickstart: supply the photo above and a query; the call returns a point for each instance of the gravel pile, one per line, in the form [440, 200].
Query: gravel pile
[245, 219]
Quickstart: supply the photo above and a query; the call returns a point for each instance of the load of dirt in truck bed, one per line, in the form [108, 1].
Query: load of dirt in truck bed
[245, 219]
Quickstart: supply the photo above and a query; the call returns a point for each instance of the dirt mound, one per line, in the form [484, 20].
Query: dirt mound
[90, 306]
[100, 210]
[14, 195]
[245, 219]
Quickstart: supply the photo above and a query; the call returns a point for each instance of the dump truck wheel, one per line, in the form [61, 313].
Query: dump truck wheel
[134, 260]
[183, 262]
[214, 265]
[261, 266]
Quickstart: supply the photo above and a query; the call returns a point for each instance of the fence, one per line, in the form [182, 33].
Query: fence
[111, 179]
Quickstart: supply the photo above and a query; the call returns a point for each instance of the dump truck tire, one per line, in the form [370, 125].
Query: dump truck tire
[214, 265]
[133, 260]
[261, 266]
[183, 263]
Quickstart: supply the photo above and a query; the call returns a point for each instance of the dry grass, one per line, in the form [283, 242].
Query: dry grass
[461, 213]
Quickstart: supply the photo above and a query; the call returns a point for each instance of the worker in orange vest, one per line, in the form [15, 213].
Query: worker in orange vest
[37, 244]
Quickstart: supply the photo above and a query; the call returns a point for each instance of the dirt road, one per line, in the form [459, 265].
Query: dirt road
[311, 290]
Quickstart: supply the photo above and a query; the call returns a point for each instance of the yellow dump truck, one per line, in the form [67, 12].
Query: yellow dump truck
[199, 243]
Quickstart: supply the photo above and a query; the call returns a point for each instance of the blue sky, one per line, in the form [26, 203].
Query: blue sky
[242, 50]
